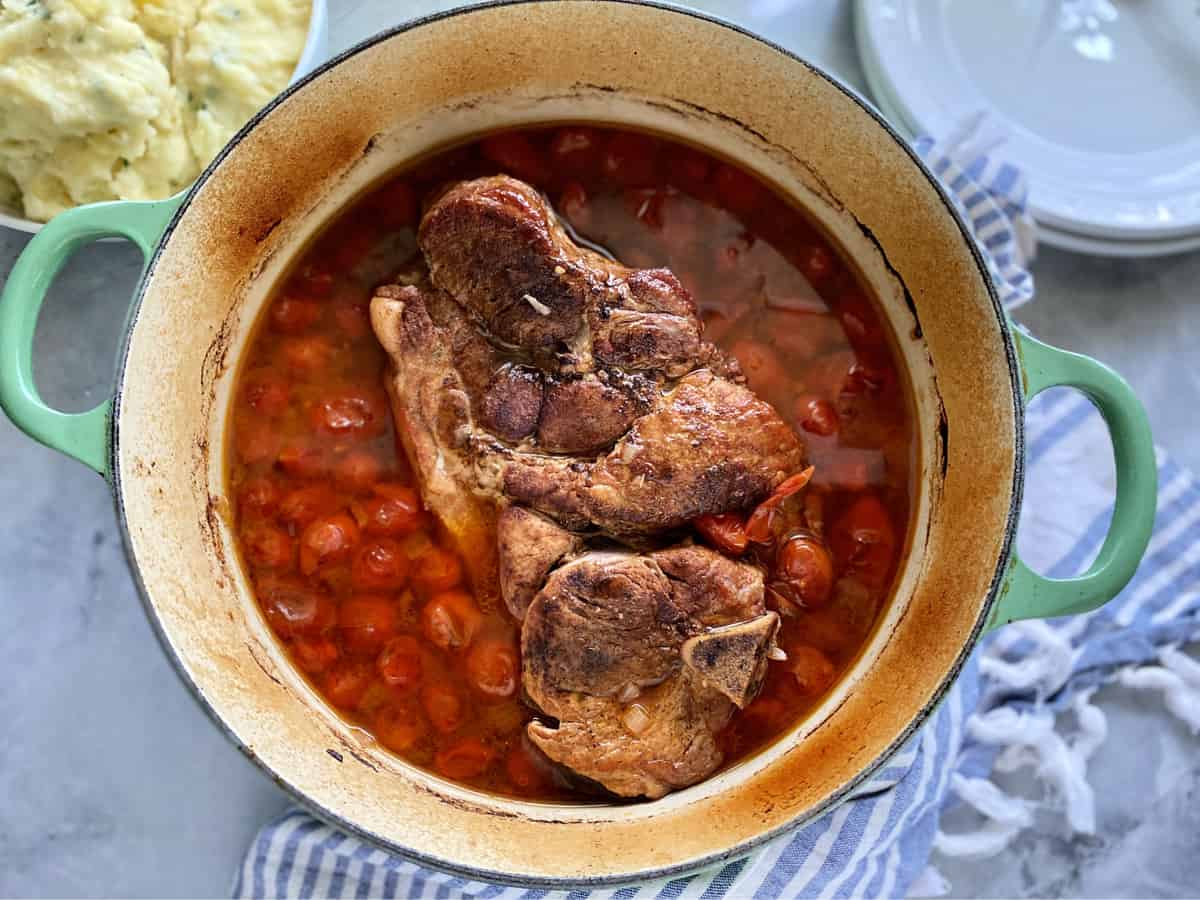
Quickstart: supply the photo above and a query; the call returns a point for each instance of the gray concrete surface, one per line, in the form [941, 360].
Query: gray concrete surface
[113, 783]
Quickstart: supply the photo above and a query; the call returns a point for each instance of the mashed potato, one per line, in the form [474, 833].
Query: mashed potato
[130, 99]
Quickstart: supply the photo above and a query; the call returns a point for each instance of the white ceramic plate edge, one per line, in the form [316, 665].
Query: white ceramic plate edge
[895, 111]
[872, 26]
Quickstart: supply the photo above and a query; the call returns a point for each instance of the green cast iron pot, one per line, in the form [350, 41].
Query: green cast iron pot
[213, 254]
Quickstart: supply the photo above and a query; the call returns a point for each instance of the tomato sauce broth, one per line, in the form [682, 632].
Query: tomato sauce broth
[348, 567]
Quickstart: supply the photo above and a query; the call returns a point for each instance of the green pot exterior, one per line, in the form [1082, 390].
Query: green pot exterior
[82, 436]
[1027, 595]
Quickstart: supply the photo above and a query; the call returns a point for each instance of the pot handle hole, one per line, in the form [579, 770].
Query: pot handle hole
[1028, 595]
[82, 436]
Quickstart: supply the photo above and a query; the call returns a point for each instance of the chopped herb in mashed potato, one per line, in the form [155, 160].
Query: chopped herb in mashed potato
[130, 99]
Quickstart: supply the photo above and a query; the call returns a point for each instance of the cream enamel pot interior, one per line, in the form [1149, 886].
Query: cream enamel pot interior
[213, 255]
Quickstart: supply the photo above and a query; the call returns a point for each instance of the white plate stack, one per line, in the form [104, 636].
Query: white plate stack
[1097, 100]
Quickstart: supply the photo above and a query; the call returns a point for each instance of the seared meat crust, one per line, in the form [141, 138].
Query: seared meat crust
[550, 399]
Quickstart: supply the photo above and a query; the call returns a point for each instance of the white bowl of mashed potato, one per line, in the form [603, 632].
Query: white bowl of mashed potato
[131, 99]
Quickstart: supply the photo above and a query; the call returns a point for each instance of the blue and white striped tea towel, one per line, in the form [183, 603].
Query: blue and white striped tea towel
[1001, 713]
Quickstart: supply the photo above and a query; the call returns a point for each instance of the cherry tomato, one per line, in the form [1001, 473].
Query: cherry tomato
[864, 378]
[575, 151]
[311, 280]
[817, 416]
[494, 667]
[393, 490]
[816, 262]
[328, 539]
[256, 442]
[367, 622]
[680, 216]
[443, 706]
[354, 243]
[813, 671]
[451, 619]
[825, 629]
[719, 322]
[516, 155]
[631, 159]
[379, 565]
[573, 203]
[394, 511]
[346, 682]
[393, 205]
[302, 505]
[301, 460]
[852, 323]
[353, 318]
[416, 546]
[825, 375]
[293, 607]
[258, 497]
[525, 773]
[806, 566]
[766, 713]
[468, 758]
[266, 393]
[294, 315]
[737, 191]
[778, 223]
[349, 412]
[726, 532]
[307, 355]
[315, 654]
[646, 205]
[268, 546]
[689, 168]
[437, 570]
[860, 322]
[358, 471]
[863, 540]
[399, 663]
[854, 473]
[397, 728]
[814, 511]
[760, 364]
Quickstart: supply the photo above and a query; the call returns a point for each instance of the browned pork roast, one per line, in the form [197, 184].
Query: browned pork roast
[565, 420]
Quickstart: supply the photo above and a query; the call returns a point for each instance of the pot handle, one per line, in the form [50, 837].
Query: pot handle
[83, 436]
[1028, 595]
